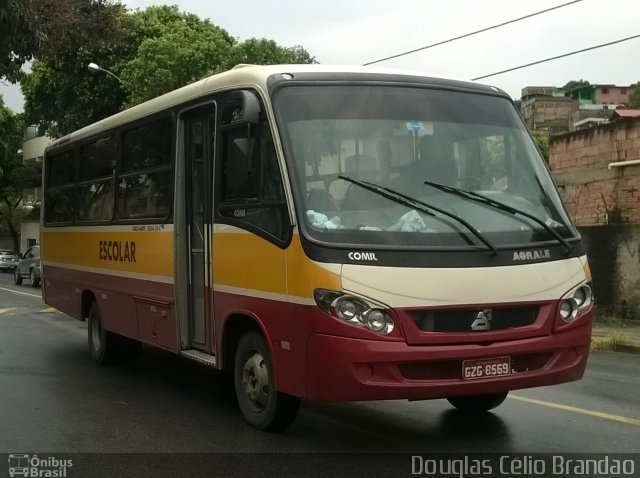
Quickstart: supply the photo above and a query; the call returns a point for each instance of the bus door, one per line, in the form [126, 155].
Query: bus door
[199, 125]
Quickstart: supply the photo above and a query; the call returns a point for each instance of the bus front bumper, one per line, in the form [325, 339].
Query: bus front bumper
[346, 369]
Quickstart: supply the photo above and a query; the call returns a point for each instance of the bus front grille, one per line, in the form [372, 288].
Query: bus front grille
[463, 320]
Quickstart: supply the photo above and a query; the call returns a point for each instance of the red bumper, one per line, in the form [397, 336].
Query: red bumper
[346, 369]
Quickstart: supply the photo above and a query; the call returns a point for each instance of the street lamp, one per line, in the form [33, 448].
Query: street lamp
[93, 67]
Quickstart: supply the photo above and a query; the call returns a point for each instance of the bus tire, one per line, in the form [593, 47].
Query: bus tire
[101, 342]
[478, 403]
[262, 406]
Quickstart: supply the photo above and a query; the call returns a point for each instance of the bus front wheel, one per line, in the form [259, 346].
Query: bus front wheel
[478, 403]
[262, 406]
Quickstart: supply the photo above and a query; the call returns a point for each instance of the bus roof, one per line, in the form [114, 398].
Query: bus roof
[243, 76]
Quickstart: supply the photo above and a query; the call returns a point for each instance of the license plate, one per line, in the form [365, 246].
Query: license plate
[484, 368]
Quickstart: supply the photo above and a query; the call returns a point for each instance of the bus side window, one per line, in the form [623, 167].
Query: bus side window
[252, 193]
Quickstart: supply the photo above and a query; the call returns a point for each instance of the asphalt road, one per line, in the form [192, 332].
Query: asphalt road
[54, 399]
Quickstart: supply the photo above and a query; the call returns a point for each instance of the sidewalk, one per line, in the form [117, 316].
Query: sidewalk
[619, 335]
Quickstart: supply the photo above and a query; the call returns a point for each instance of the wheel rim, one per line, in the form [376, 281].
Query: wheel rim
[255, 380]
[96, 334]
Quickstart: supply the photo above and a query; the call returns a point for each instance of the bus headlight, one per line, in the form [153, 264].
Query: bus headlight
[349, 309]
[378, 321]
[575, 302]
[354, 310]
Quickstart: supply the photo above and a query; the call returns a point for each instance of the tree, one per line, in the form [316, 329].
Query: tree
[174, 49]
[542, 141]
[153, 51]
[267, 52]
[573, 84]
[14, 176]
[31, 27]
[634, 99]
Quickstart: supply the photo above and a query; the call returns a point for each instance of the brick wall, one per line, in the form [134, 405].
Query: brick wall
[593, 193]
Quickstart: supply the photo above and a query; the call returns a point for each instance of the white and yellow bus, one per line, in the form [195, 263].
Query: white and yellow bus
[321, 233]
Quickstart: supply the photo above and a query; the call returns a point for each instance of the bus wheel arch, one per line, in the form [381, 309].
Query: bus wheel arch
[105, 346]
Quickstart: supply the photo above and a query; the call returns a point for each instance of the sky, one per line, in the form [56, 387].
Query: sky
[359, 31]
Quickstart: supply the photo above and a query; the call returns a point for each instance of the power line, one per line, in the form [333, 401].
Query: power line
[556, 57]
[472, 33]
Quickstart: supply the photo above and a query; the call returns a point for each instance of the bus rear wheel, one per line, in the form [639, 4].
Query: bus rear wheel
[107, 347]
[478, 403]
[262, 406]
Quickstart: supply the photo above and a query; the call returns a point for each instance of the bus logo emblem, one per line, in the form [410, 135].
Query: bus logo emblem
[482, 321]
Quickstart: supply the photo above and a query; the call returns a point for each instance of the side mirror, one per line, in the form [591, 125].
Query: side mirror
[241, 107]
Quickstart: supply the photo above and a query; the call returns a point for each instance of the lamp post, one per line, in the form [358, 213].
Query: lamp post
[93, 67]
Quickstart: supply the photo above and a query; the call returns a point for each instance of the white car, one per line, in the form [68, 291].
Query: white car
[8, 260]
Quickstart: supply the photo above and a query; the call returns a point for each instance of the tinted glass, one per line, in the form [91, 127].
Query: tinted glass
[148, 146]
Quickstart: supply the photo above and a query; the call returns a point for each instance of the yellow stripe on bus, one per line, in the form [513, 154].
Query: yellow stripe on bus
[247, 261]
[146, 252]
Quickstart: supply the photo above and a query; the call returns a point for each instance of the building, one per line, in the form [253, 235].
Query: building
[611, 95]
[596, 104]
[552, 111]
[33, 148]
[546, 109]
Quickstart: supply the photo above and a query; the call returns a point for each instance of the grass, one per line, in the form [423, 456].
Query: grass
[613, 340]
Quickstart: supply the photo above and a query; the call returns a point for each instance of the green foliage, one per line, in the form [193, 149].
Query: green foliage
[175, 49]
[634, 100]
[542, 140]
[573, 84]
[29, 28]
[267, 52]
[153, 51]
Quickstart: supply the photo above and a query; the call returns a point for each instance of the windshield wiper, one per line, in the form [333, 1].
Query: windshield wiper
[473, 196]
[422, 206]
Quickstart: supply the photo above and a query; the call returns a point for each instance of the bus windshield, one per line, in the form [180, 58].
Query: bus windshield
[353, 149]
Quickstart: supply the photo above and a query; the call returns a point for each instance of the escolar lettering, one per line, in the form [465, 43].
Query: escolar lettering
[118, 251]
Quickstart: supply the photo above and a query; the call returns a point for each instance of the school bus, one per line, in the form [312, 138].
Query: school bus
[321, 233]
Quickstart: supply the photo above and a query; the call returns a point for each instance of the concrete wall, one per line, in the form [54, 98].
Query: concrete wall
[605, 205]
[29, 234]
[614, 258]
[545, 113]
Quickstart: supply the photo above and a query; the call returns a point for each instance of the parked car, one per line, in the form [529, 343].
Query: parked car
[28, 267]
[8, 260]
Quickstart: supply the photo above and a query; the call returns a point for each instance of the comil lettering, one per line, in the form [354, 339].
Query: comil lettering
[362, 256]
[118, 251]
